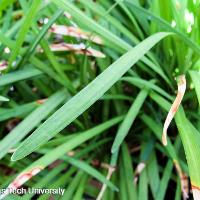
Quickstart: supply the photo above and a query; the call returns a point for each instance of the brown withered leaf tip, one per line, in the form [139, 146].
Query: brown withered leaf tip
[77, 49]
[21, 179]
[74, 32]
[181, 91]
[140, 167]
[111, 170]
[41, 101]
[183, 180]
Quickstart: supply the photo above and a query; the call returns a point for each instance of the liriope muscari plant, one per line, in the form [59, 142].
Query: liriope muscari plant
[89, 94]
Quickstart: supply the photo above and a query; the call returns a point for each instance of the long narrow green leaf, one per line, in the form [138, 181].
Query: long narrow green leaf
[143, 186]
[86, 97]
[19, 75]
[24, 29]
[190, 138]
[80, 191]
[157, 130]
[45, 180]
[165, 181]
[122, 182]
[153, 174]
[195, 75]
[166, 25]
[115, 41]
[91, 24]
[91, 171]
[18, 111]
[31, 121]
[72, 186]
[56, 153]
[127, 163]
[41, 35]
[148, 84]
[128, 120]
[191, 143]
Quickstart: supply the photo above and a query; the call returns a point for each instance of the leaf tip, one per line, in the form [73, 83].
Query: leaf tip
[164, 138]
[4, 98]
[13, 158]
[114, 149]
[16, 156]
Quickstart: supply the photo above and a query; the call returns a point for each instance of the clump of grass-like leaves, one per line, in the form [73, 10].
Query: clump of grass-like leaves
[86, 89]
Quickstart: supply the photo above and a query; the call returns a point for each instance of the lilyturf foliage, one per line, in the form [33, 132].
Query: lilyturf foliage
[86, 95]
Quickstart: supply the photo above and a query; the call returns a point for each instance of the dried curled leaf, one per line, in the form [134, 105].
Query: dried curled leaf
[111, 170]
[74, 32]
[77, 49]
[183, 180]
[21, 179]
[181, 91]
